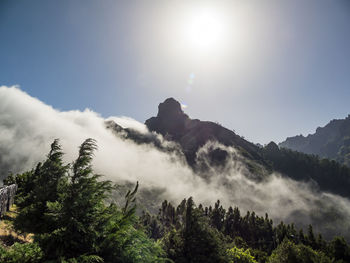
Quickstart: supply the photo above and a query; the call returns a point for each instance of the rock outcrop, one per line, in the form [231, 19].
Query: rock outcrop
[192, 134]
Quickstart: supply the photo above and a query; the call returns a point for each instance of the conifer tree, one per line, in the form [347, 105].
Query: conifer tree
[201, 242]
[41, 188]
[85, 229]
[79, 210]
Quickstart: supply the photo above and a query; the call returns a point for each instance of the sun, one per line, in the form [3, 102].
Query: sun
[205, 30]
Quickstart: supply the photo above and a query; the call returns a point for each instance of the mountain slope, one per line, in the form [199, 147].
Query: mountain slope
[331, 141]
[191, 135]
[325, 174]
[187, 136]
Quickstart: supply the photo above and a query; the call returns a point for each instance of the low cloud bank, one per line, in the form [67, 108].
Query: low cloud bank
[28, 126]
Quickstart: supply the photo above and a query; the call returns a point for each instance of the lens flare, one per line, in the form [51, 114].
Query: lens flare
[183, 106]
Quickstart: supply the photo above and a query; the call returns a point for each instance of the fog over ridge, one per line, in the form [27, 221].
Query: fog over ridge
[28, 127]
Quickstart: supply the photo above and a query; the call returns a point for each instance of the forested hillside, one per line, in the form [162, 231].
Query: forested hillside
[177, 159]
[328, 174]
[65, 206]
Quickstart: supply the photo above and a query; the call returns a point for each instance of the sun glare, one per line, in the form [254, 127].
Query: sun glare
[205, 30]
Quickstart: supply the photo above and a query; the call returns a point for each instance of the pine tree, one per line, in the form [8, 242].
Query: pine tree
[44, 182]
[85, 229]
[201, 242]
[79, 210]
[311, 238]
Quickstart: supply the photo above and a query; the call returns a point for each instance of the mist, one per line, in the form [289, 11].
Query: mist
[28, 127]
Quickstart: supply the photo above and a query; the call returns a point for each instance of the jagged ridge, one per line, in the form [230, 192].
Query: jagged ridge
[331, 141]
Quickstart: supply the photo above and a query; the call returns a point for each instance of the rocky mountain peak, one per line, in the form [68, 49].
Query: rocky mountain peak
[191, 134]
[170, 119]
[170, 107]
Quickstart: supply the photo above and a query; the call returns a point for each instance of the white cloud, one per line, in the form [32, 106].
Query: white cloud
[130, 123]
[28, 126]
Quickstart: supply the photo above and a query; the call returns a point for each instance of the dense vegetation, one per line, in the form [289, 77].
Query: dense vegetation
[204, 234]
[329, 175]
[65, 207]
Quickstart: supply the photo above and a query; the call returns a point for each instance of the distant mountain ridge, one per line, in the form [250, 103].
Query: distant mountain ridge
[331, 141]
[186, 136]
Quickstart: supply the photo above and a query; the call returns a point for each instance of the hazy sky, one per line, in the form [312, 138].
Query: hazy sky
[267, 69]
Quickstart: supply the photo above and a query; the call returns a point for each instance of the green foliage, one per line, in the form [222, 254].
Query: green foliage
[122, 241]
[194, 240]
[339, 250]
[81, 259]
[33, 203]
[181, 234]
[239, 255]
[288, 252]
[65, 207]
[173, 245]
[78, 212]
[201, 242]
[21, 253]
[329, 175]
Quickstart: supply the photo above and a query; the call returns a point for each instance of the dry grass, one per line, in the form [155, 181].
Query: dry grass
[8, 235]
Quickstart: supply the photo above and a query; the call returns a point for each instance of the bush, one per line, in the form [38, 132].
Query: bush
[239, 255]
[288, 252]
[21, 253]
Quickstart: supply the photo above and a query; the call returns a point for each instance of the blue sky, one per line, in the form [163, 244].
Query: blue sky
[282, 69]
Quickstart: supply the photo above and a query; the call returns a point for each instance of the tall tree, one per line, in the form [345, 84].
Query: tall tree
[85, 229]
[41, 187]
[201, 243]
